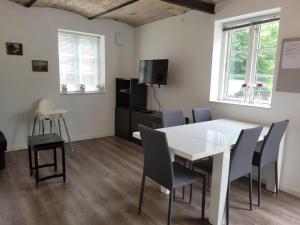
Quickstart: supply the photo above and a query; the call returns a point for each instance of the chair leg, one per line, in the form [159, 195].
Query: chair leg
[183, 192]
[55, 159]
[174, 195]
[34, 123]
[170, 208]
[191, 193]
[203, 197]
[227, 204]
[208, 181]
[276, 177]
[141, 195]
[250, 190]
[259, 185]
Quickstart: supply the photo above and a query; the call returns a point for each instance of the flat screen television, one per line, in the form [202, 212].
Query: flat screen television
[154, 71]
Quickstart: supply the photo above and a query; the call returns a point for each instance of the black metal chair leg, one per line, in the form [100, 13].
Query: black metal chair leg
[259, 185]
[250, 190]
[141, 195]
[55, 159]
[191, 193]
[203, 197]
[174, 194]
[63, 163]
[30, 160]
[170, 208]
[276, 177]
[36, 165]
[183, 192]
[208, 181]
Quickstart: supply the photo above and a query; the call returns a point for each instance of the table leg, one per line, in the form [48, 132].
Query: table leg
[219, 187]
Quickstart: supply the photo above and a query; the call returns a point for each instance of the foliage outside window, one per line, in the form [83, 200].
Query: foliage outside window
[250, 58]
[81, 62]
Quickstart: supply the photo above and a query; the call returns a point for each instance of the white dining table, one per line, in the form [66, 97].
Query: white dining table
[214, 138]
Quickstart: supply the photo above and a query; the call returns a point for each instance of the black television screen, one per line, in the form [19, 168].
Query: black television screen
[154, 71]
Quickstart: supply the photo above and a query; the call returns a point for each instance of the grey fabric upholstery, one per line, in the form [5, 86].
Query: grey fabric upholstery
[159, 167]
[271, 145]
[269, 152]
[201, 115]
[173, 118]
[242, 153]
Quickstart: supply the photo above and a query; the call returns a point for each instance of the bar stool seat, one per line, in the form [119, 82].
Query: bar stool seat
[44, 143]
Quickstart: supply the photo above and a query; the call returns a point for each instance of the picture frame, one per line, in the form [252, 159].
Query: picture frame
[39, 66]
[14, 48]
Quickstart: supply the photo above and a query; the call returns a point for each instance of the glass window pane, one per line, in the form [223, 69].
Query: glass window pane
[268, 35]
[265, 91]
[240, 39]
[266, 62]
[236, 74]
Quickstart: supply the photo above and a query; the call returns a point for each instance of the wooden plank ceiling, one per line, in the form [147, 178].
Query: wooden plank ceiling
[132, 12]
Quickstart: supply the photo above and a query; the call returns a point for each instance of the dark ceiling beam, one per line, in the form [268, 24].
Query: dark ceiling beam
[199, 5]
[114, 9]
[27, 4]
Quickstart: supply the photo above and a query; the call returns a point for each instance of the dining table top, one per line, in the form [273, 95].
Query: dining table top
[200, 140]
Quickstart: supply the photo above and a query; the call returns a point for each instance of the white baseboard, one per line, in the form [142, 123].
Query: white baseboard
[291, 191]
[78, 138]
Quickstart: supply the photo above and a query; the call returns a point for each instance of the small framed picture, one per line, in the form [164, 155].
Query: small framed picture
[14, 48]
[39, 66]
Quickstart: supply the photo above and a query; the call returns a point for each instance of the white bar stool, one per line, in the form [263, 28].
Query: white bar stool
[48, 111]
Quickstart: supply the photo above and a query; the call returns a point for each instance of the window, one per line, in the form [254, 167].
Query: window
[81, 62]
[249, 60]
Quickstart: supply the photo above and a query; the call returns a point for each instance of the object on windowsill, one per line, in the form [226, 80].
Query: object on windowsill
[64, 89]
[100, 87]
[82, 88]
[259, 87]
[245, 90]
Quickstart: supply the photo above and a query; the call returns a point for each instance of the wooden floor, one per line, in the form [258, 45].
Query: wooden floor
[102, 188]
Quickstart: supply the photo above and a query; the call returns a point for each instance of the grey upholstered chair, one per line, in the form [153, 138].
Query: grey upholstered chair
[269, 152]
[241, 161]
[173, 118]
[158, 166]
[201, 115]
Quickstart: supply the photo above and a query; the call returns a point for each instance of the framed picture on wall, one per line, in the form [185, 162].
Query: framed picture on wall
[39, 66]
[14, 48]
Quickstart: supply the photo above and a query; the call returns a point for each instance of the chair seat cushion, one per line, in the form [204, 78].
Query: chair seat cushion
[3, 142]
[184, 176]
[205, 164]
[256, 159]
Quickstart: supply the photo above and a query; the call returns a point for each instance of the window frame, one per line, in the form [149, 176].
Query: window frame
[100, 67]
[252, 58]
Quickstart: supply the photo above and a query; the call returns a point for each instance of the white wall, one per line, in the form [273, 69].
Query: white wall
[20, 88]
[188, 41]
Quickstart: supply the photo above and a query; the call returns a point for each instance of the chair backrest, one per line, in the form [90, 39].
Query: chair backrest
[46, 105]
[173, 118]
[242, 153]
[201, 115]
[271, 145]
[157, 160]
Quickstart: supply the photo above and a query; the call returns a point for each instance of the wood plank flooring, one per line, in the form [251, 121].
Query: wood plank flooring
[102, 188]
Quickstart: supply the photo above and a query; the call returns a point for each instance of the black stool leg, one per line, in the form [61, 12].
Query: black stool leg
[63, 162]
[36, 162]
[55, 159]
[30, 160]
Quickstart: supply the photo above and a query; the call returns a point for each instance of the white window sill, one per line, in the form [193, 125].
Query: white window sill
[83, 93]
[265, 106]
